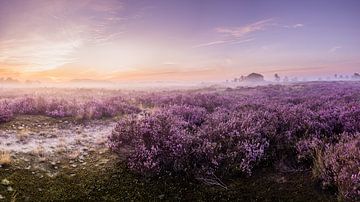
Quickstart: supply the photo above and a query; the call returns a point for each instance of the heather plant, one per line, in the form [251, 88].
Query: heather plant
[209, 101]
[59, 107]
[232, 142]
[159, 142]
[181, 139]
[26, 105]
[211, 132]
[192, 115]
[350, 118]
[339, 165]
[233, 131]
[5, 112]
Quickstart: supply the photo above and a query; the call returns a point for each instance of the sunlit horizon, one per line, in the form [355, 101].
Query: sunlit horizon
[121, 40]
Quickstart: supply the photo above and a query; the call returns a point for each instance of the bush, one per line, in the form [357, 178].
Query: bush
[232, 142]
[339, 165]
[159, 143]
[5, 112]
[90, 108]
[226, 132]
[180, 140]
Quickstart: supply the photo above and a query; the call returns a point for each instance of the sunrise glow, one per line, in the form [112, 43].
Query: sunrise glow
[119, 40]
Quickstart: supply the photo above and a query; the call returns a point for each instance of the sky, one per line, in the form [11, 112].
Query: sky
[177, 40]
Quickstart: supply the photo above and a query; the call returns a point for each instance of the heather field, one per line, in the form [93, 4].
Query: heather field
[293, 142]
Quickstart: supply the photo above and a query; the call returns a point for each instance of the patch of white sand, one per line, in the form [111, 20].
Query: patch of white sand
[51, 140]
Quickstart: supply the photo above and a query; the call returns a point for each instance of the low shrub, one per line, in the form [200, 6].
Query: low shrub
[5, 112]
[159, 143]
[339, 165]
[181, 139]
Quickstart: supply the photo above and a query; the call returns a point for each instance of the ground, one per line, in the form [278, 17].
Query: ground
[65, 159]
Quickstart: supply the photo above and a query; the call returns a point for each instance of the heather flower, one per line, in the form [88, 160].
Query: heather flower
[338, 165]
[5, 112]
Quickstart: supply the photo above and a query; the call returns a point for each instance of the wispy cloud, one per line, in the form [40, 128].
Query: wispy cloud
[334, 49]
[242, 41]
[294, 26]
[238, 32]
[236, 35]
[37, 53]
[298, 25]
[212, 43]
[73, 24]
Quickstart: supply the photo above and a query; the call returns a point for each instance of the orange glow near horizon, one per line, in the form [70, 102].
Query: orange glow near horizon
[117, 40]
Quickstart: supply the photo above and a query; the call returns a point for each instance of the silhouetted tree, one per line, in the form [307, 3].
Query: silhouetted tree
[277, 77]
[356, 76]
[254, 77]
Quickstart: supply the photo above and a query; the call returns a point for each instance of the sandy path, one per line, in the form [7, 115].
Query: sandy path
[34, 138]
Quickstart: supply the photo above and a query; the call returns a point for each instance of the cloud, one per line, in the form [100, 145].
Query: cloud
[238, 32]
[232, 42]
[48, 34]
[334, 49]
[242, 41]
[298, 25]
[210, 44]
[37, 53]
[235, 35]
[294, 26]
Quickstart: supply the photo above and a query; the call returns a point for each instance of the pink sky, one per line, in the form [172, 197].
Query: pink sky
[122, 40]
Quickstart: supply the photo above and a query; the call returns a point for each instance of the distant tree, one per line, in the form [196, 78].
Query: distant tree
[356, 76]
[336, 76]
[277, 77]
[242, 78]
[254, 77]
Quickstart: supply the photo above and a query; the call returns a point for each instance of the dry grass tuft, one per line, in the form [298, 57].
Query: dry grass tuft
[5, 158]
